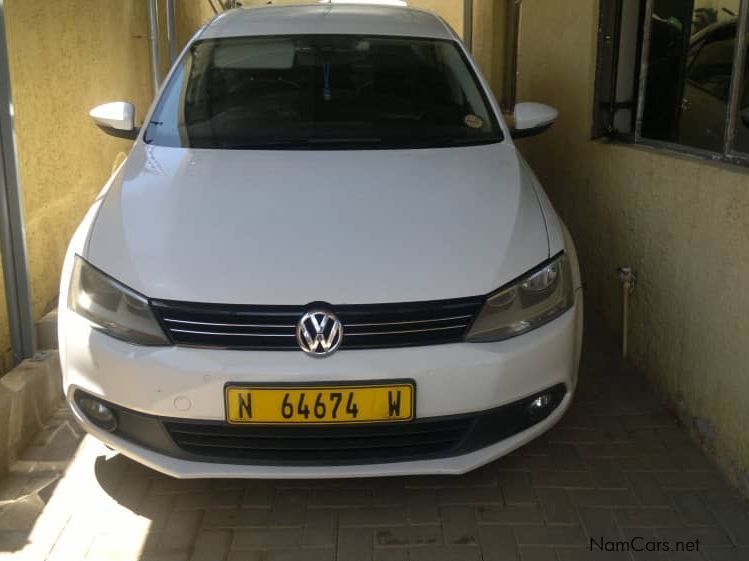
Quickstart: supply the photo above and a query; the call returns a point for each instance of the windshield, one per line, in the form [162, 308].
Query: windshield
[322, 92]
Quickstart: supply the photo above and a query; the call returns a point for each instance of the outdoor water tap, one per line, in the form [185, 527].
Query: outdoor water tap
[629, 283]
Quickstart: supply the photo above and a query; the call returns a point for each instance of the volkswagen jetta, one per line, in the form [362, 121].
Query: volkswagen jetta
[323, 257]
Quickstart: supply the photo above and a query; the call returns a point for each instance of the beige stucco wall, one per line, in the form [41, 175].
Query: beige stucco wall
[683, 224]
[65, 58]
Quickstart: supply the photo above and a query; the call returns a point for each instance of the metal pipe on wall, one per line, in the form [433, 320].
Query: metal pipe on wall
[468, 24]
[153, 39]
[171, 33]
[15, 267]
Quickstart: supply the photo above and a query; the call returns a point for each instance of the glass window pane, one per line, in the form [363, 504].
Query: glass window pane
[689, 78]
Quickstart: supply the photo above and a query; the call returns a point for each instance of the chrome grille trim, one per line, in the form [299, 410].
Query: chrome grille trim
[463, 326]
[233, 334]
[366, 326]
[228, 324]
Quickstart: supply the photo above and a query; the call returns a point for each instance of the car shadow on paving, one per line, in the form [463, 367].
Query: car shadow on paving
[617, 467]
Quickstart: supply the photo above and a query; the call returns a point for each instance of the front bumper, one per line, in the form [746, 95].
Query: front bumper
[451, 380]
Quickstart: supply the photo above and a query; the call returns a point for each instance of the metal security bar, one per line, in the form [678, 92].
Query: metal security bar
[153, 40]
[171, 33]
[15, 269]
[468, 24]
[737, 82]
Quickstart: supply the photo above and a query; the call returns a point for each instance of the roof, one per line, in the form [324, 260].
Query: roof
[328, 19]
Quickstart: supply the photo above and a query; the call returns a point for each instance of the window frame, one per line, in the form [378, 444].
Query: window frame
[605, 104]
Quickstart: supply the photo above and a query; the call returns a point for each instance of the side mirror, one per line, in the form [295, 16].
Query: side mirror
[532, 119]
[116, 118]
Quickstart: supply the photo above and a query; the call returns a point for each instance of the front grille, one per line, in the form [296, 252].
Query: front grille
[274, 327]
[340, 444]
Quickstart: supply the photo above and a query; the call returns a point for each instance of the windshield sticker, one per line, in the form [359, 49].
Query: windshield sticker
[473, 121]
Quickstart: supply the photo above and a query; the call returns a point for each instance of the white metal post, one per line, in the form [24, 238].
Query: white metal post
[15, 268]
[171, 32]
[153, 39]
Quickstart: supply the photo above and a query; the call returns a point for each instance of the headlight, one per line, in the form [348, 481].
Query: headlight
[112, 307]
[536, 298]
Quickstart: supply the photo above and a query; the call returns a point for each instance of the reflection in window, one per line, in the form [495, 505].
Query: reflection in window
[689, 76]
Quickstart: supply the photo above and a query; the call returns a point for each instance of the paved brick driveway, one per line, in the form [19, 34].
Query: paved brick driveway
[617, 467]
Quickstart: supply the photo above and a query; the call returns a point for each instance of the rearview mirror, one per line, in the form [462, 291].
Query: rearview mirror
[532, 119]
[116, 118]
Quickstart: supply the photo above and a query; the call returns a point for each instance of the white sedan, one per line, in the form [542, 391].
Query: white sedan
[323, 257]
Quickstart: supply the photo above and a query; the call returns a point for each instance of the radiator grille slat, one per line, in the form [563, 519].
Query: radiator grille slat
[274, 327]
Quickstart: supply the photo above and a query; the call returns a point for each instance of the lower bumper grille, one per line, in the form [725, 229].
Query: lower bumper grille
[329, 444]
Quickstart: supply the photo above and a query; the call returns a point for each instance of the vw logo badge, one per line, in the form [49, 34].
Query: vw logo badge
[319, 334]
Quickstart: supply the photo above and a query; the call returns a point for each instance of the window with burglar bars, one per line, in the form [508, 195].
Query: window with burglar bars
[673, 74]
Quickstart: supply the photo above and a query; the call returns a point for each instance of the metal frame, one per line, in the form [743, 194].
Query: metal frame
[510, 71]
[737, 80]
[644, 67]
[468, 24]
[15, 267]
[153, 40]
[171, 33]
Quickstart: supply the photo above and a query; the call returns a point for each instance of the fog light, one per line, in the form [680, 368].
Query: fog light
[98, 413]
[540, 403]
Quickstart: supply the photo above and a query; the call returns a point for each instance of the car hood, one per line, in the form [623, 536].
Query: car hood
[294, 227]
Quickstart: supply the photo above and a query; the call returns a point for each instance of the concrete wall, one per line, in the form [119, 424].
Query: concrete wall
[682, 223]
[65, 58]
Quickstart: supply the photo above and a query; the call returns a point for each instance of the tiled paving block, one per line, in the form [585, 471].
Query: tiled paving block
[550, 535]
[538, 553]
[498, 544]
[266, 538]
[647, 517]
[708, 536]
[648, 488]
[557, 506]
[691, 508]
[447, 553]
[559, 478]
[211, 545]
[512, 514]
[355, 543]
[422, 507]
[600, 523]
[459, 525]
[603, 497]
[408, 536]
[606, 473]
[517, 488]
[373, 516]
[320, 528]
[735, 520]
[726, 553]
[236, 518]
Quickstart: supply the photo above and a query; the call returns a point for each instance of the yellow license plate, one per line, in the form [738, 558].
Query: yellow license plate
[278, 405]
